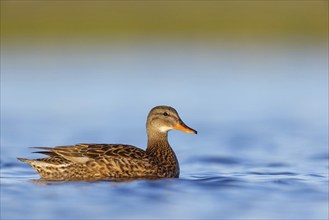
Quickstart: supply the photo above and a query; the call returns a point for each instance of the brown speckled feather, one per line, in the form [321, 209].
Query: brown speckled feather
[88, 162]
[94, 161]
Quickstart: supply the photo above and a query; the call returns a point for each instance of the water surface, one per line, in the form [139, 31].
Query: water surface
[260, 111]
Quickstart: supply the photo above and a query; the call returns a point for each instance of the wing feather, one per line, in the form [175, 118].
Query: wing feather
[82, 153]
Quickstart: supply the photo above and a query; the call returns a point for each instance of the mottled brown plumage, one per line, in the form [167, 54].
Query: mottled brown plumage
[89, 162]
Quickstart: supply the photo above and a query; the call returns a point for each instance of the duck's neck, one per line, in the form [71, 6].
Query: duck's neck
[158, 147]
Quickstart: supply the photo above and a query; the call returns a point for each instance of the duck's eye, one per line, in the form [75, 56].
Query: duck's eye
[165, 114]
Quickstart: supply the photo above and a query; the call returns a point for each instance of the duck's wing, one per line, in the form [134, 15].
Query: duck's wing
[82, 153]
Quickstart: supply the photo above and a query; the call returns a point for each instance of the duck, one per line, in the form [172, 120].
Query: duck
[92, 162]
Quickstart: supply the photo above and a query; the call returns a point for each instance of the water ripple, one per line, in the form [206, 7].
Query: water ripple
[274, 173]
[216, 160]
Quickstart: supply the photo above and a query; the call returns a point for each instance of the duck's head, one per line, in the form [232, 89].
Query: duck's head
[164, 118]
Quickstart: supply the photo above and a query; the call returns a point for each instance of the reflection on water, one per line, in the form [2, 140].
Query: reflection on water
[261, 151]
[198, 195]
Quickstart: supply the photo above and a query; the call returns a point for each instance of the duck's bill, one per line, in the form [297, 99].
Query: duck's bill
[183, 127]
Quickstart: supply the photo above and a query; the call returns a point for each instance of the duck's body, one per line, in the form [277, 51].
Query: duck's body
[116, 161]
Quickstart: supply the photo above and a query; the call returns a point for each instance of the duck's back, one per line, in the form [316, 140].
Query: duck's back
[93, 161]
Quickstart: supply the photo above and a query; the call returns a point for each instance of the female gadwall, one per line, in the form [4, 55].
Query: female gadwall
[88, 162]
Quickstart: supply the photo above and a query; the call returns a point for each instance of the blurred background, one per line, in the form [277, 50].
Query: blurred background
[250, 76]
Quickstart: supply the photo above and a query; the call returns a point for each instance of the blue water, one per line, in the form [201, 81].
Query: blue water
[261, 112]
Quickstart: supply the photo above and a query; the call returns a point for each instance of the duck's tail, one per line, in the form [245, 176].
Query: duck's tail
[25, 160]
